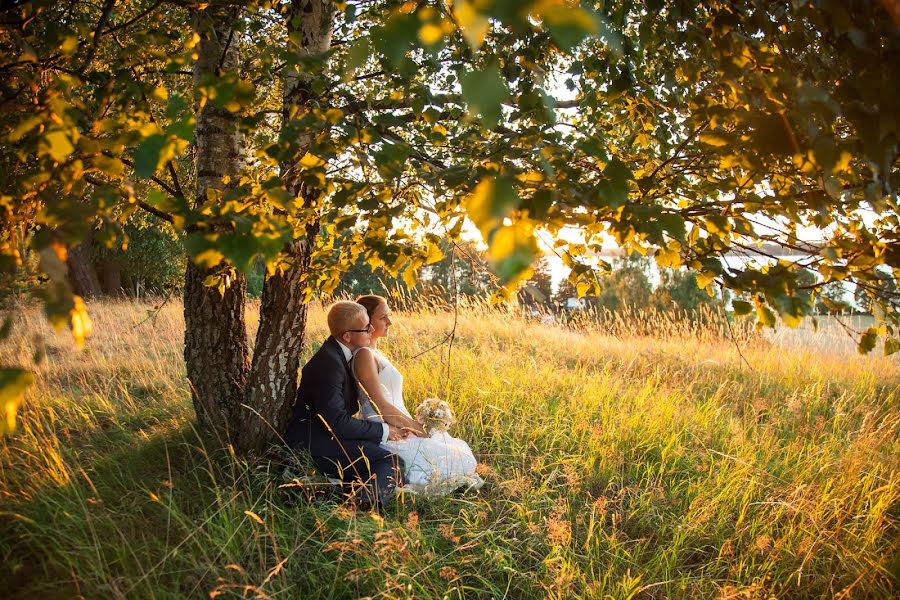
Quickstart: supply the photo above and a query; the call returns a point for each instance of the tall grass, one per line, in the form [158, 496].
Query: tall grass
[618, 464]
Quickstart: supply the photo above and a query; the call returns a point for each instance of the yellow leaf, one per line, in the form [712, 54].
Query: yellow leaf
[668, 257]
[512, 250]
[729, 161]
[430, 34]
[191, 43]
[791, 320]
[24, 127]
[69, 45]
[81, 324]
[310, 161]
[409, 276]
[705, 278]
[148, 129]
[209, 258]
[333, 115]
[556, 13]
[434, 254]
[110, 166]
[474, 25]
[13, 384]
[530, 177]
[842, 162]
[501, 295]
[160, 93]
[478, 204]
[59, 146]
[713, 139]
[503, 242]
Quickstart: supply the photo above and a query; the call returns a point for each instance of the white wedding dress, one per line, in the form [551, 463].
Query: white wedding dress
[436, 465]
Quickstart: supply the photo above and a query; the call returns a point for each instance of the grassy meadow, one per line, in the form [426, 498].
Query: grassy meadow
[617, 465]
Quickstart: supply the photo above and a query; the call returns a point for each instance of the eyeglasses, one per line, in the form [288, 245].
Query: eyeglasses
[368, 329]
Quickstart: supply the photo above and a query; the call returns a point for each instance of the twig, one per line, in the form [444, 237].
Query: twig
[155, 312]
[731, 335]
[452, 333]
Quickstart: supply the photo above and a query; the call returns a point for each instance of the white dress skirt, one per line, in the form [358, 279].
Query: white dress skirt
[436, 465]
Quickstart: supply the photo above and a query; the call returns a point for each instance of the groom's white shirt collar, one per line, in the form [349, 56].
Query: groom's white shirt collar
[348, 354]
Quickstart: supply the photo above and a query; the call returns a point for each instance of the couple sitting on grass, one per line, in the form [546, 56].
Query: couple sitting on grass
[384, 449]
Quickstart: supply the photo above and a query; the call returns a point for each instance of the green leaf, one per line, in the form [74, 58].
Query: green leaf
[358, 54]
[148, 156]
[485, 91]
[868, 340]
[538, 204]
[175, 206]
[741, 307]
[891, 345]
[674, 225]
[13, 384]
[396, 37]
[613, 191]
[239, 249]
[391, 160]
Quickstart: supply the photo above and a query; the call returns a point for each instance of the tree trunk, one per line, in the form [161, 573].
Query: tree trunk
[215, 338]
[82, 273]
[112, 277]
[282, 319]
[276, 356]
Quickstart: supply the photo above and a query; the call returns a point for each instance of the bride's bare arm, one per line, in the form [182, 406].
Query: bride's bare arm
[367, 373]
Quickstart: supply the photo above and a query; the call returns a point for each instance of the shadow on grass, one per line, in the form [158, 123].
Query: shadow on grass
[65, 540]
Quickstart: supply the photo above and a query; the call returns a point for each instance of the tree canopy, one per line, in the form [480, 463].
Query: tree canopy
[684, 130]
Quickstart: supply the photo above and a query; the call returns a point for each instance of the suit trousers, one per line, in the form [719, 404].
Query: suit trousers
[373, 472]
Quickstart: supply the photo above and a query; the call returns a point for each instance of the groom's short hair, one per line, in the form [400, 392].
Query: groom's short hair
[341, 316]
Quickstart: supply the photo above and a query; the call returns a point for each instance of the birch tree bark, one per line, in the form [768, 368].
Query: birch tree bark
[280, 338]
[215, 339]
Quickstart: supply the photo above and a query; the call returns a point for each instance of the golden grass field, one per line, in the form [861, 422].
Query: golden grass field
[617, 466]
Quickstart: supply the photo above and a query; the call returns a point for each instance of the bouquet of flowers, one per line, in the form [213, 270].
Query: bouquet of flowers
[435, 415]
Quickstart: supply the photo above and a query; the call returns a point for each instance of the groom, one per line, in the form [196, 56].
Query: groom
[322, 421]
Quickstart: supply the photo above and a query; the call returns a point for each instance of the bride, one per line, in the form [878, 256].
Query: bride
[435, 464]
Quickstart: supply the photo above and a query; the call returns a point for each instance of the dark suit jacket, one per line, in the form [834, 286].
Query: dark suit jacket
[329, 392]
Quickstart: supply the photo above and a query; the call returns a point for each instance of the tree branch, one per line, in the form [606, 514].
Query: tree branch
[134, 20]
[98, 31]
[150, 209]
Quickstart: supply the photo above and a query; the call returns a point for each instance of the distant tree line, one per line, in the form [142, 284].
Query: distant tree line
[152, 260]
